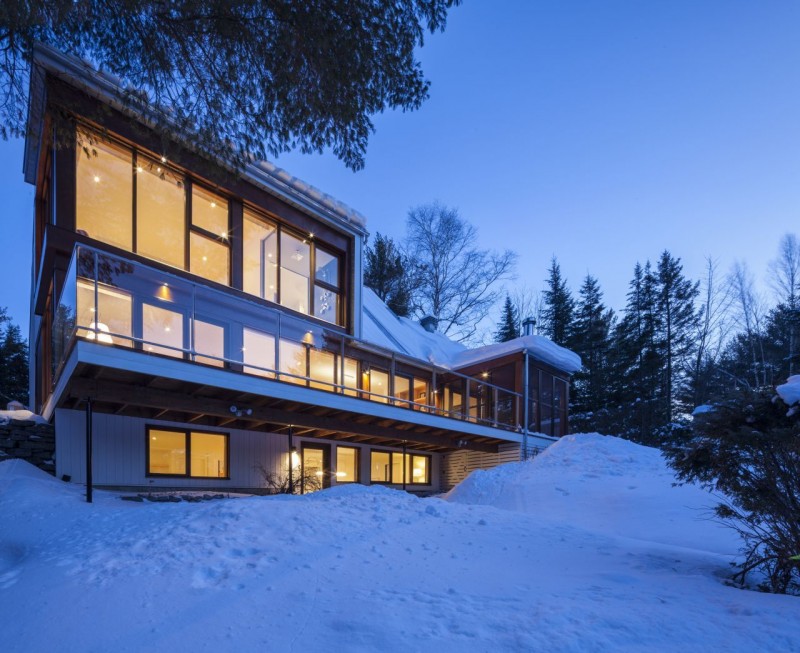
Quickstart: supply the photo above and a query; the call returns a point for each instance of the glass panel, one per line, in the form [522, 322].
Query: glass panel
[64, 316]
[295, 273]
[420, 392]
[346, 465]
[379, 465]
[161, 326]
[327, 267]
[114, 319]
[402, 389]
[326, 305]
[258, 350]
[104, 193]
[397, 468]
[260, 257]
[210, 212]
[294, 291]
[208, 455]
[322, 368]
[160, 213]
[293, 361]
[547, 419]
[209, 259]
[419, 470]
[313, 469]
[350, 376]
[379, 385]
[209, 339]
[167, 452]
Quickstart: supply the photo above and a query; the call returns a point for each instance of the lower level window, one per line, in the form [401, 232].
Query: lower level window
[180, 452]
[388, 467]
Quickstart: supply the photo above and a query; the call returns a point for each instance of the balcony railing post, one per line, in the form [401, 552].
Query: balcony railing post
[467, 400]
[96, 320]
[495, 406]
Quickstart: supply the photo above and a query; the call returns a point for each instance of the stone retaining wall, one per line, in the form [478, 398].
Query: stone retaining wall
[29, 441]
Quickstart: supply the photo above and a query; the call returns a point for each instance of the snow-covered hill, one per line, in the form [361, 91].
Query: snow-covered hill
[586, 548]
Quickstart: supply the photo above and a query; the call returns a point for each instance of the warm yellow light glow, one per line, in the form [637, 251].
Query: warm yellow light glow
[213, 205]
[485, 375]
[318, 473]
[341, 474]
[96, 179]
[163, 160]
[102, 333]
[295, 459]
[140, 169]
[418, 472]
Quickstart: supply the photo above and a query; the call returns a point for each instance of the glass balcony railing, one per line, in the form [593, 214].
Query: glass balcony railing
[124, 303]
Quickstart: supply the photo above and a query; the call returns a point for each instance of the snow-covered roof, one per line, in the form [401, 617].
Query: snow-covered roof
[538, 347]
[109, 89]
[405, 336]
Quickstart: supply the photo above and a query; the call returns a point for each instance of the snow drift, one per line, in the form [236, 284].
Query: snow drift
[586, 548]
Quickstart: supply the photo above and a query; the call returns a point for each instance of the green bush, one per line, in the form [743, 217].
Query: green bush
[748, 449]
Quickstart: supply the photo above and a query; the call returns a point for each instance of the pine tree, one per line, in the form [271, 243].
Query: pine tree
[559, 307]
[592, 341]
[385, 272]
[676, 326]
[13, 362]
[508, 328]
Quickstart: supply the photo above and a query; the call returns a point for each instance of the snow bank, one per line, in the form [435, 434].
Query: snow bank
[565, 553]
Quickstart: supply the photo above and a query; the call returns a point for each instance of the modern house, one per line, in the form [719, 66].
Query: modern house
[199, 327]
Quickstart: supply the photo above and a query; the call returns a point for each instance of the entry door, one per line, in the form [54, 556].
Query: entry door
[315, 467]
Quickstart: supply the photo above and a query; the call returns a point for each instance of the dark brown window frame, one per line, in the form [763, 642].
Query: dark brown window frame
[391, 480]
[188, 439]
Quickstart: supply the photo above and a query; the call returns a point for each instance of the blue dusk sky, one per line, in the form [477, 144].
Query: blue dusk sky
[600, 133]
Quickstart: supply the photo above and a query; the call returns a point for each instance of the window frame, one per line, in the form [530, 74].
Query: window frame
[187, 433]
[357, 451]
[392, 454]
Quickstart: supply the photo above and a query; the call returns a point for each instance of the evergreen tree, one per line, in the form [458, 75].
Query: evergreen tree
[508, 328]
[559, 307]
[385, 272]
[592, 341]
[637, 365]
[13, 362]
[677, 323]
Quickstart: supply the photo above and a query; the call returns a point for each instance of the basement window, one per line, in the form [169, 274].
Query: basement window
[184, 453]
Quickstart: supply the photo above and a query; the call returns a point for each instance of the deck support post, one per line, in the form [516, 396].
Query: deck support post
[526, 405]
[291, 462]
[88, 450]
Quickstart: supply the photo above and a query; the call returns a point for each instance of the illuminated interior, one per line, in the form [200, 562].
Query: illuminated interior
[322, 366]
[378, 384]
[113, 317]
[260, 257]
[104, 192]
[160, 213]
[380, 465]
[209, 339]
[160, 326]
[313, 469]
[167, 452]
[208, 455]
[347, 465]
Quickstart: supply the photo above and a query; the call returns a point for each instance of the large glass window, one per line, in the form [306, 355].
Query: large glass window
[380, 466]
[178, 452]
[416, 469]
[378, 385]
[208, 455]
[402, 389]
[420, 393]
[260, 257]
[295, 272]
[327, 284]
[209, 250]
[160, 213]
[347, 465]
[104, 191]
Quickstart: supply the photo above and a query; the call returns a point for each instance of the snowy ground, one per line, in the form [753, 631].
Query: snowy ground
[587, 548]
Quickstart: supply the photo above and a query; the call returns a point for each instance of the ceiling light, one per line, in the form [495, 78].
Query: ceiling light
[96, 179]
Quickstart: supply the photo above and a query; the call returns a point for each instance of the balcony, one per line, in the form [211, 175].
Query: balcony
[126, 305]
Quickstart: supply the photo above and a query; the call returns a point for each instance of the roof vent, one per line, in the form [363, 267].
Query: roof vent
[429, 323]
[528, 324]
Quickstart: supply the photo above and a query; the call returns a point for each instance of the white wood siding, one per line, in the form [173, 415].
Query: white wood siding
[119, 453]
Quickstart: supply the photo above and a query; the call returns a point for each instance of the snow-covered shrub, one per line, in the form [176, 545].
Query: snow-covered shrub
[748, 449]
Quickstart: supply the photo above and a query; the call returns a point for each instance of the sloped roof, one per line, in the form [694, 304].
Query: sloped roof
[404, 336]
